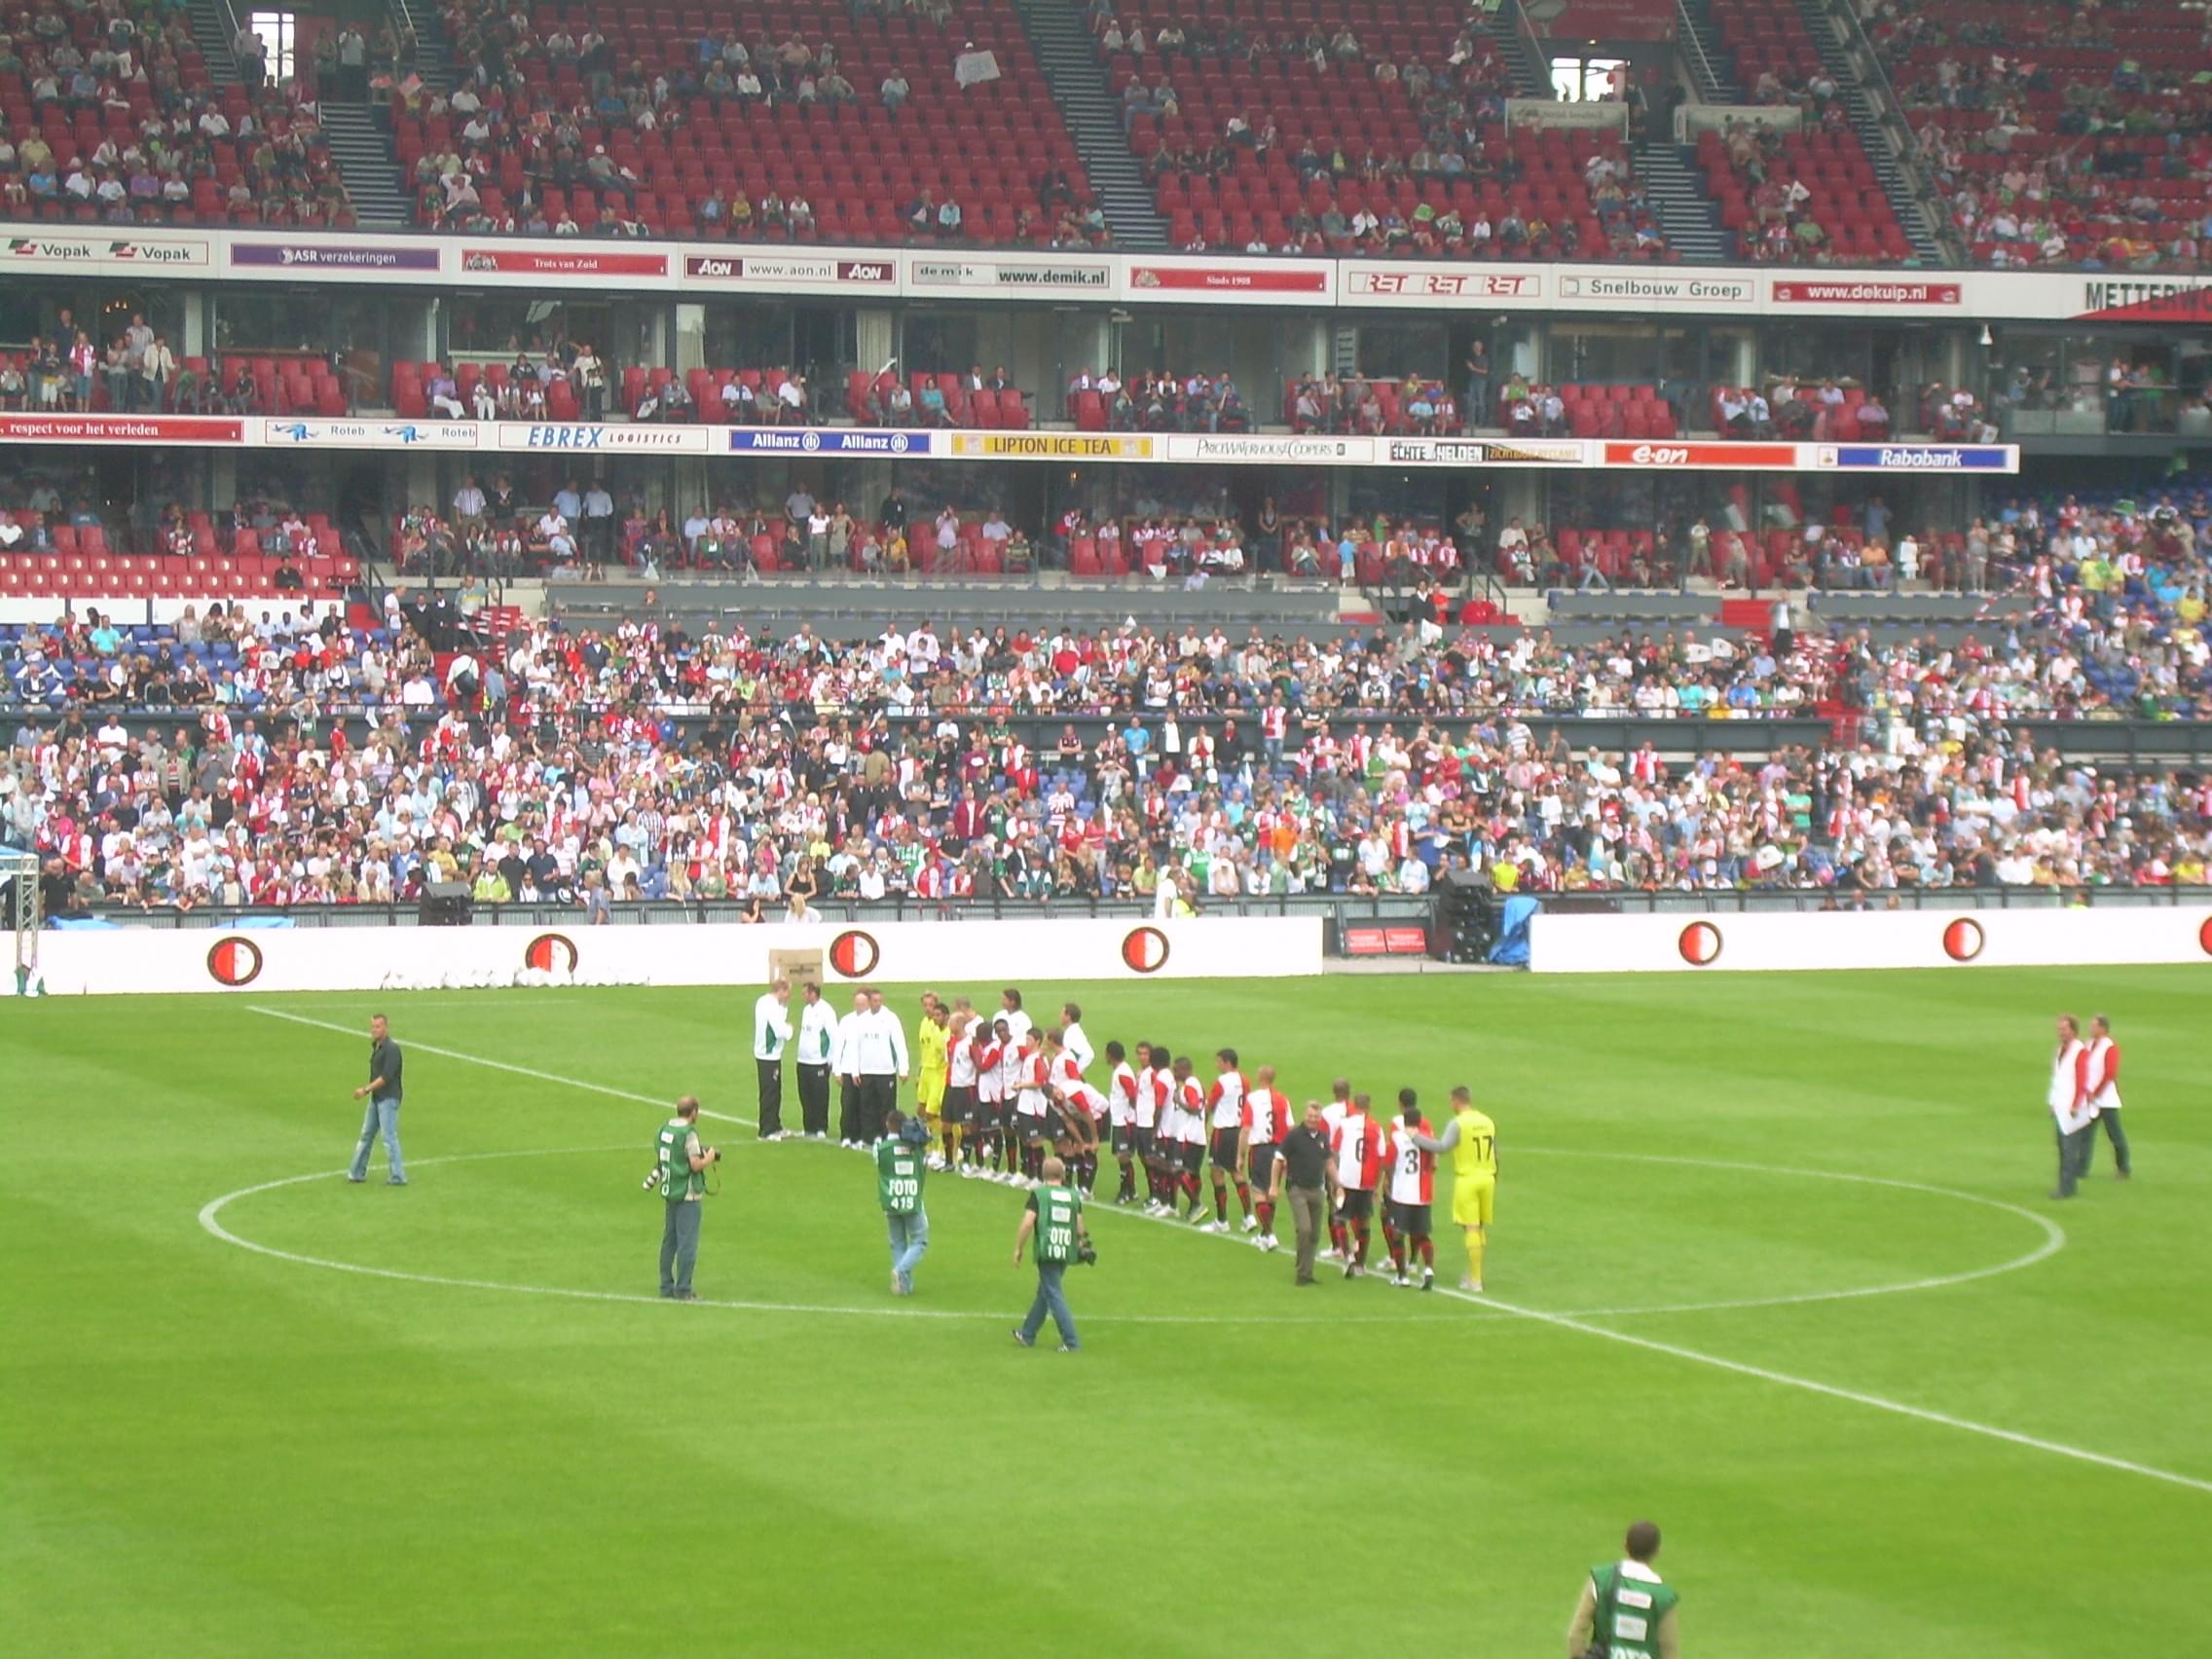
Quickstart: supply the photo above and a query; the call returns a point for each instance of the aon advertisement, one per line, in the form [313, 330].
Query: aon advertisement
[1718, 941]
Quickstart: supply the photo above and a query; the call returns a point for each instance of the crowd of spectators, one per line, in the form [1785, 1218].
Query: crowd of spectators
[109, 116]
[599, 768]
[2075, 136]
[137, 372]
[1263, 136]
[564, 124]
[1158, 401]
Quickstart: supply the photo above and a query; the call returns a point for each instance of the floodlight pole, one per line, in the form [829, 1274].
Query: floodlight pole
[18, 871]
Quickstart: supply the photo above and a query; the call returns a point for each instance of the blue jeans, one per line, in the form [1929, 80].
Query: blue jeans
[1053, 1298]
[382, 1116]
[679, 1243]
[909, 1237]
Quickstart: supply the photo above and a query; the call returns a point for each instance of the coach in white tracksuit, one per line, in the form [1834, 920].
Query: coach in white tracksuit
[771, 1030]
[876, 1054]
[817, 1054]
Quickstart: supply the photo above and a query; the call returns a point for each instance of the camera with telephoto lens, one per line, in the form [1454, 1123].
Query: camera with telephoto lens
[1086, 1252]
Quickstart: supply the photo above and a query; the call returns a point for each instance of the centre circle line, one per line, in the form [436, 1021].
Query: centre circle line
[211, 1213]
[2054, 1239]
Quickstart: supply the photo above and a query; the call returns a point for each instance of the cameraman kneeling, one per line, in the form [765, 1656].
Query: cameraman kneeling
[1054, 1218]
[683, 1182]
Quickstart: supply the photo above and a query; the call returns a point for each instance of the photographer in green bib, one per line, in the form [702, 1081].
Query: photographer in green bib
[1054, 1220]
[1626, 1610]
[899, 1169]
[681, 1174]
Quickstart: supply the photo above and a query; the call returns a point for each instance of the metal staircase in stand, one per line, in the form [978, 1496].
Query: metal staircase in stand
[211, 32]
[1910, 212]
[1685, 210]
[1712, 69]
[433, 55]
[1069, 57]
[361, 146]
[1504, 26]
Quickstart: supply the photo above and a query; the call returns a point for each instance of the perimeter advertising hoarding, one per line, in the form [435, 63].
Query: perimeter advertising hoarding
[1249, 282]
[1012, 275]
[132, 429]
[1189, 449]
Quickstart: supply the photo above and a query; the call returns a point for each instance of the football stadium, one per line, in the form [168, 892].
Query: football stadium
[987, 827]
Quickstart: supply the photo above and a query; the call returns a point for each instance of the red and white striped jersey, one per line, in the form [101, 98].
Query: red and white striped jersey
[960, 1063]
[1122, 1093]
[1012, 1068]
[1332, 1117]
[1412, 1171]
[1358, 1146]
[1225, 1100]
[1031, 1077]
[1067, 1082]
[1191, 1110]
[991, 1078]
[1162, 1095]
[1267, 1115]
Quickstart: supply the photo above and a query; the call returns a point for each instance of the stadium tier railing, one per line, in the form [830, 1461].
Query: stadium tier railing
[1687, 736]
[2140, 742]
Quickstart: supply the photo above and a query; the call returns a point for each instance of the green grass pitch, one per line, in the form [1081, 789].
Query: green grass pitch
[2004, 1448]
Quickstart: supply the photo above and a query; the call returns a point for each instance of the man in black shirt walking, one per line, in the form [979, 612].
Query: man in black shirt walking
[1303, 1168]
[382, 1092]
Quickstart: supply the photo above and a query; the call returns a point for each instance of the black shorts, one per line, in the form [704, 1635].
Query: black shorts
[1224, 1148]
[1409, 1219]
[1124, 1139]
[1358, 1204]
[1263, 1167]
[959, 1103]
[1190, 1156]
[1148, 1143]
[1035, 1129]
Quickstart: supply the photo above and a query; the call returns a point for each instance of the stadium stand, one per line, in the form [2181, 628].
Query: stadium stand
[1098, 811]
[2064, 136]
[110, 115]
[1271, 129]
[1802, 197]
[552, 387]
[858, 124]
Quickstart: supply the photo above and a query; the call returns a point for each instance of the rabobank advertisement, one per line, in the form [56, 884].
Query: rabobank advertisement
[1906, 457]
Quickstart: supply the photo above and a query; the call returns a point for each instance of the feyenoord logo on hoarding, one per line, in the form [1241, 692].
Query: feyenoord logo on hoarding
[551, 953]
[1143, 950]
[854, 953]
[1962, 939]
[1700, 944]
[234, 962]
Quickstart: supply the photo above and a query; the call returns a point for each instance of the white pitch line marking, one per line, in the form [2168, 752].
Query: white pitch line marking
[1857, 1397]
[2054, 1239]
[211, 1211]
[497, 1065]
[1562, 1321]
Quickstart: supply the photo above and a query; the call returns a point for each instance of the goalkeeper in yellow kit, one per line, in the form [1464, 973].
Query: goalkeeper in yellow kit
[1472, 1138]
[934, 1039]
